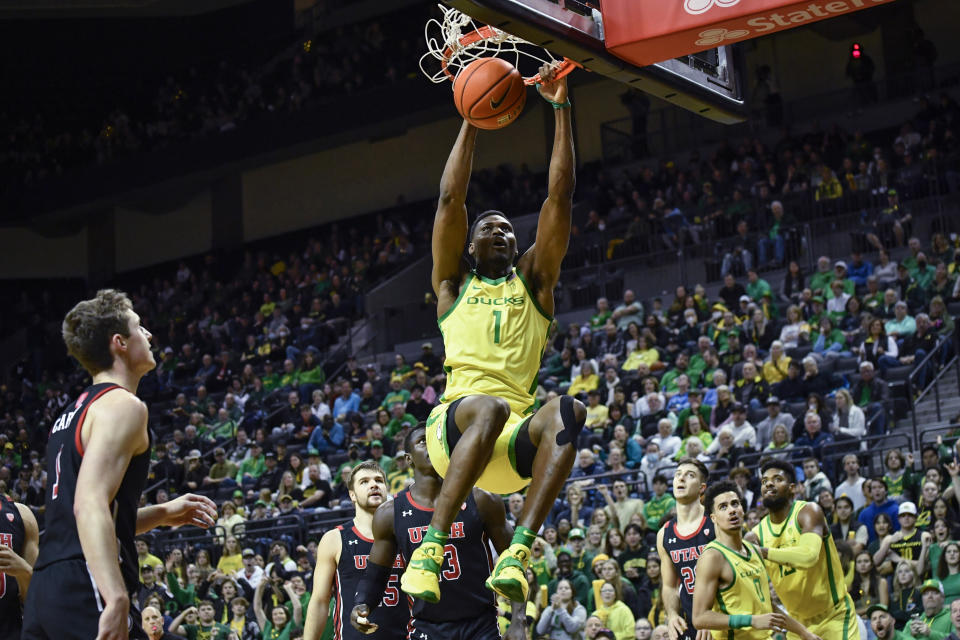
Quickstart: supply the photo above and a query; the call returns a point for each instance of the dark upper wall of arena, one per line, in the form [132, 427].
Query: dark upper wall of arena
[306, 189]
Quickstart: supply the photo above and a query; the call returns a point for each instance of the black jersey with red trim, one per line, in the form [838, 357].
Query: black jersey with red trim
[60, 539]
[13, 535]
[391, 616]
[468, 560]
[684, 551]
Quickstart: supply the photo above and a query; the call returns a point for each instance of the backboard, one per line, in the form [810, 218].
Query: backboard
[708, 82]
[682, 51]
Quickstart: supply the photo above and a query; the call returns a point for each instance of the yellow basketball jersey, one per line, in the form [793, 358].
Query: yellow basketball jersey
[748, 594]
[806, 593]
[494, 335]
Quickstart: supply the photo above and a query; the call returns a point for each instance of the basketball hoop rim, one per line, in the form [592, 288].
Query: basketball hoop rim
[487, 32]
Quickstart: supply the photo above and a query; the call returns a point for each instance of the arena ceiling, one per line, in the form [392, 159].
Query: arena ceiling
[34, 9]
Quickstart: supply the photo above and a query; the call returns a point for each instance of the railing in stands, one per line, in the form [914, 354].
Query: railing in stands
[933, 385]
[869, 450]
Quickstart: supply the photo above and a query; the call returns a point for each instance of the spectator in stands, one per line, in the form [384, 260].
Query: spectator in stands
[585, 381]
[667, 443]
[695, 429]
[879, 349]
[630, 311]
[731, 291]
[936, 616]
[849, 421]
[327, 438]
[813, 436]
[417, 406]
[795, 329]
[870, 393]
[853, 483]
[775, 416]
[902, 324]
[347, 402]
[881, 505]
[814, 479]
[816, 381]
[751, 389]
[780, 444]
[587, 465]
[222, 471]
[564, 618]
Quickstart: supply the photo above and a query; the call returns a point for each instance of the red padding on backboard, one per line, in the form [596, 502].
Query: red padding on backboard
[644, 32]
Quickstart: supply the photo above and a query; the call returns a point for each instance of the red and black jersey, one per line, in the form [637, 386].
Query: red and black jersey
[468, 560]
[684, 551]
[13, 535]
[392, 615]
[60, 540]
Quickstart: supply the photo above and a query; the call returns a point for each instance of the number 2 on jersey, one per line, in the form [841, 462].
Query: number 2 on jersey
[497, 316]
[689, 576]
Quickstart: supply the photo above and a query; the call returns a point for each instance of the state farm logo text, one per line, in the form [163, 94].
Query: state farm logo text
[759, 24]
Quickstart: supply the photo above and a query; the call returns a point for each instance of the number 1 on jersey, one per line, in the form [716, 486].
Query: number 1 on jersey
[497, 315]
[56, 484]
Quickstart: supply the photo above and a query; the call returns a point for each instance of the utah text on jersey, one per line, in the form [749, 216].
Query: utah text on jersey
[416, 533]
[360, 562]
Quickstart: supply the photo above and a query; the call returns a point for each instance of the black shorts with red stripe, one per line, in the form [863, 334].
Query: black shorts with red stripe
[63, 603]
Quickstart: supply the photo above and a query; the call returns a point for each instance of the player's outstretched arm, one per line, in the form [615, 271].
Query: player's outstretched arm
[670, 591]
[117, 431]
[20, 567]
[328, 554]
[374, 582]
[500, 532]
[450, 222]
[804, 555]
[188, 509]
[553, 226]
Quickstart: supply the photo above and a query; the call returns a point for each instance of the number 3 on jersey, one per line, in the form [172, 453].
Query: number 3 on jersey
[450, 553]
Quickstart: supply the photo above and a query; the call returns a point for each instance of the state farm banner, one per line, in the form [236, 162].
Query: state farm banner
[644, 32]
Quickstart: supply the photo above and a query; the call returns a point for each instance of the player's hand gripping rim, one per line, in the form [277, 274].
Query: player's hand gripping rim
[553, 90]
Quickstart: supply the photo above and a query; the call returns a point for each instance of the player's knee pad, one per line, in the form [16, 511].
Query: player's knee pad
[568, 419]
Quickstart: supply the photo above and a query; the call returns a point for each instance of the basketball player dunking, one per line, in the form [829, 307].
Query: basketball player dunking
[342, 558]
[98, 456]
[18, 551]
[469, 611]
[494, 318]
[679, 544]
[802, 558]
[733, 589]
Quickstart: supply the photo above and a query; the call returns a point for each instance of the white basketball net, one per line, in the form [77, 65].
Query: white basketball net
[457, 40]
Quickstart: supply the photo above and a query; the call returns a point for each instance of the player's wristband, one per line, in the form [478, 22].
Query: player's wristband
[740, 621]
[372, 585]
[555, 105]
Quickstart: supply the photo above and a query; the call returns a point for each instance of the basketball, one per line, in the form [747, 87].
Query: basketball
[489, 93]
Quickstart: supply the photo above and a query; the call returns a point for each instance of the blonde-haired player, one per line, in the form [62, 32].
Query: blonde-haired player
[802, 558]
[732, 596]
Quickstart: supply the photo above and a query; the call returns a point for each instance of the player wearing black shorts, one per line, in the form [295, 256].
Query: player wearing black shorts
[679, 543]
[98, 456]
[342, 557]
[468, 611]
[18, 552]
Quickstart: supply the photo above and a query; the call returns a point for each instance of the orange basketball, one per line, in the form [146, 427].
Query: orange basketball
[489, 93]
